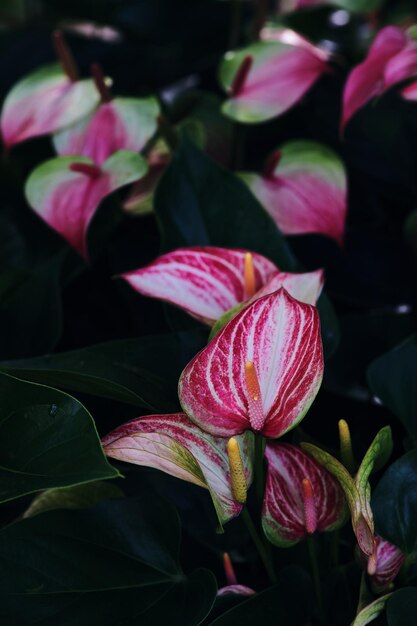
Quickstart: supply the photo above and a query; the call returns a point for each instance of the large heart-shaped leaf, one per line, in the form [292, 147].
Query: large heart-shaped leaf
[117, 563]
[395, 504]
[143, 372]
[402, 607]
[47, 439]
[198, 203]
[393, 379]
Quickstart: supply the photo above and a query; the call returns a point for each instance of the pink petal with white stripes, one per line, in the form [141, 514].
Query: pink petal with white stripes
[67, 200]
[306, 190]
[237, 590]
[44, 102]
[392, 58]
[303, 287]
[283, 514]
[176, 446]
[389, 560]
[121, 124]
[204, 281]
[281, 338]
[277, 76]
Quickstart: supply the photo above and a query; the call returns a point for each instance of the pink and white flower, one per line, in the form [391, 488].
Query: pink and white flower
[392, 59]
[208, 281]
[261, 372]
[301, 496]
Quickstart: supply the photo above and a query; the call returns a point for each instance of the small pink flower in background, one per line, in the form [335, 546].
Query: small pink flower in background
[303, 187]
[388, 560]
[392, 59]
[207, 281]
[261, 372]
[301, 497]
[175, 445]
[117, 124]
[233, 587]
[66, 192]
[267, 78]
[47, 100]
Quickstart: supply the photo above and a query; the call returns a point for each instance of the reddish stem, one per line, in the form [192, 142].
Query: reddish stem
[241, 75]
[64, 55]
[88, 169]
[271, 164]
[100, 82]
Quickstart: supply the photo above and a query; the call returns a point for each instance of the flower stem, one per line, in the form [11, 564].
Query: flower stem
[259, 545]
[311, 544]
[259, 468]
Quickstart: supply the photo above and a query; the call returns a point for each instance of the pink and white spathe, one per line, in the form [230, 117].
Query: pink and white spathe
[391, 60]
[176, 446]
[66, 192]
[117, 124]
[303, 187]
[267, 78]
[208, 281]
[44, 102]
[301, 496]
[388, 560]
[261, 372]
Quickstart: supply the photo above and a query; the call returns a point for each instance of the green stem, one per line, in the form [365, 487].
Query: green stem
[334, 553]
[259, 468]
[316, 575]
[259, 545]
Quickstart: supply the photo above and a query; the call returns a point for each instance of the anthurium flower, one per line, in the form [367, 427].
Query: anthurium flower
[303, 187]
[232, 587]
[388, 561]
[358, 489]
[207, 281]
[261, 372]
[301, 496]
[117, 124]
[175, 445]
[47, 100]
[267, 78]
[392, 59]
[66, 192]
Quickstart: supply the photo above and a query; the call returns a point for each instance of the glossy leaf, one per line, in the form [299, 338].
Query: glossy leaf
[393, 379]
[284, 507]
[277, 76]
[304, 191]
[142, 372]
[48, 439]
[402, 607]
[67, 200]
[394, 504]
[121, 124]
[198, 203]
[44, 102]
[75, 497]
[205, 281]
[370, 612]
[121, 565]
[289, 603]
[173, 444]
[281, 338]
[391, 59]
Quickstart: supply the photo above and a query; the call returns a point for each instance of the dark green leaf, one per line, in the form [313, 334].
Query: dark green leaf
[402, 607]
[143, 372]
[30, 310]
[75, 497]
[393, 379]
[47, 439]
[395, 504]
[111, 565]
[200, 203]
[288, 603]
